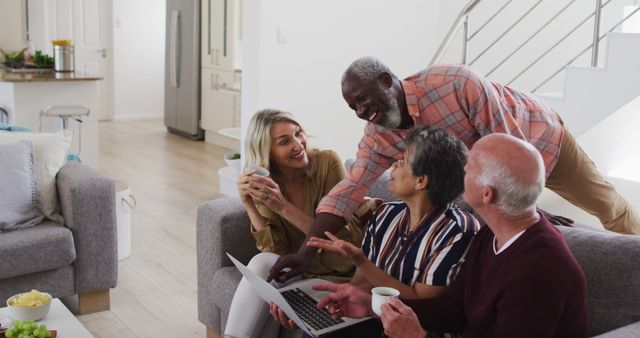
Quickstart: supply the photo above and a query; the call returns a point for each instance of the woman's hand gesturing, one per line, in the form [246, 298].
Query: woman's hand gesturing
[338, 246]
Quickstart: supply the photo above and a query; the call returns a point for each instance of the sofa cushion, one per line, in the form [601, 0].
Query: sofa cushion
[49, 153]
[19, 193]
[57, 282]
[629, 331]
[226, 281]
[43, 247]
[611, 263]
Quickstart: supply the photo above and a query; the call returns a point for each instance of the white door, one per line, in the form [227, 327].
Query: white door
[88, 24]
[94, 52]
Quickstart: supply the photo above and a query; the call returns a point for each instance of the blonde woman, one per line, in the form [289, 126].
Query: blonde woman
[281, 208]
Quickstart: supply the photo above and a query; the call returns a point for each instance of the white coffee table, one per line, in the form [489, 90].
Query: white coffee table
[60, 319]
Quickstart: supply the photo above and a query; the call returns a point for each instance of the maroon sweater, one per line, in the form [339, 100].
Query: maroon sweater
[535, 288]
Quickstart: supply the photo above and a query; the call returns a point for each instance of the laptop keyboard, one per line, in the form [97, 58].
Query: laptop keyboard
[305, 306]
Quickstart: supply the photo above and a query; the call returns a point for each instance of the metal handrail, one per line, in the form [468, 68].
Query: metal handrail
[586, 49]
[554, 46]
[465, 34]
[490, 19]
[463, 18]
[506, 32]
[453, 30]
[531, 37]
[596, 33]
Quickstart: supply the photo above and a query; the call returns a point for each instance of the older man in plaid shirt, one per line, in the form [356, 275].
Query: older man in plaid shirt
[469, 106]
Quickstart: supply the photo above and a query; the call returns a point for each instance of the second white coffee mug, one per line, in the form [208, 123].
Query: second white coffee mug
[381, 295]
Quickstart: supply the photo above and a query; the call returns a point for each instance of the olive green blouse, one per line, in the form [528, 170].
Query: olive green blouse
[282, 237]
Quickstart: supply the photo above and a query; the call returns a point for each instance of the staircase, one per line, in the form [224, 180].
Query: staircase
[593, 93]
[600, 105]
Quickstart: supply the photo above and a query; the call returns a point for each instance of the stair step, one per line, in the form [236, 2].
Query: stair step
[551, 95]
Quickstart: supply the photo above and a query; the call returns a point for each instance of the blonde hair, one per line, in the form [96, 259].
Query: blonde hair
[258, 141]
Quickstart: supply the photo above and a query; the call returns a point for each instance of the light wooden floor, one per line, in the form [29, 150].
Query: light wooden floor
[169, 176]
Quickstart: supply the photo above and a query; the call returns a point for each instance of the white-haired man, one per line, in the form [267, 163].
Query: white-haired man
[468, 106]
[520, 280]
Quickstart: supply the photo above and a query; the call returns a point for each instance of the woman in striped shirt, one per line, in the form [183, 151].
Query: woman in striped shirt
[418, 244]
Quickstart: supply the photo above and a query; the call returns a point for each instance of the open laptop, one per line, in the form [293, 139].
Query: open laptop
[298, 300]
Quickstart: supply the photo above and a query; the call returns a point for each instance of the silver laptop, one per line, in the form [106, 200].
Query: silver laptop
[298, 301]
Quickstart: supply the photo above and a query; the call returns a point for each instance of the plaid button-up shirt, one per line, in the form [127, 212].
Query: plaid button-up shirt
[460, 101]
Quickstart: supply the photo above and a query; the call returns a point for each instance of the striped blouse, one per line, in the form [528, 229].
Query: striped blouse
[432, 253]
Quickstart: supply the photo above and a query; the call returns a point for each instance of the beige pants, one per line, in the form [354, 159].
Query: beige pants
[576, 178]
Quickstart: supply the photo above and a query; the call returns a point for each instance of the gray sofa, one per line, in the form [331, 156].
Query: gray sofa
[77, 258]
[610, 261]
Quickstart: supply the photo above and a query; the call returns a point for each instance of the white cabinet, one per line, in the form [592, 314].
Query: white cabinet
[220, 103]
[221, 63]
[221, 34]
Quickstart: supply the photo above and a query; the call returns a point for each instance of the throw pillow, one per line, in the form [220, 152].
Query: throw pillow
[49, 154]
[19, 193]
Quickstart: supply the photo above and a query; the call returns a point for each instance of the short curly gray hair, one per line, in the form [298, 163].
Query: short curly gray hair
[366, 69]
[441, 157]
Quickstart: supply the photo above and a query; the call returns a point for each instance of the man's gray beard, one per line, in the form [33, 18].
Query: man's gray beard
[392, 116]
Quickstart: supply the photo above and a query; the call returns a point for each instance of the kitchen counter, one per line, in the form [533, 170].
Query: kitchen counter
[48, 76]
[25, 95]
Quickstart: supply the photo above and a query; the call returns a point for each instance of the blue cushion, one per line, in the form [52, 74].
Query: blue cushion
[19, 193]
[10, 127]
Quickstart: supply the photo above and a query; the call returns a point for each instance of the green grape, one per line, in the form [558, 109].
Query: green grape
[27, 329]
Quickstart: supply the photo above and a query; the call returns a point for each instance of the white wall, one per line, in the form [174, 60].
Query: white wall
[12, 29]
[138, 58]
[322, 38]
[39, 25]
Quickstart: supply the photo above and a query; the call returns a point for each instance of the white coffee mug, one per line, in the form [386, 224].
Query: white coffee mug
[260, 171]
[381, 295]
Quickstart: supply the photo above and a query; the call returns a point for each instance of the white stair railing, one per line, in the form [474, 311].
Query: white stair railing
[462, 21]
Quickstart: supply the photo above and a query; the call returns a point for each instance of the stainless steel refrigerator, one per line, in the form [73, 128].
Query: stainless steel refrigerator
[182, 69]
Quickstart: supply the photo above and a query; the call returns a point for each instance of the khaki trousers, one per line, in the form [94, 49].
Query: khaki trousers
[576, 178]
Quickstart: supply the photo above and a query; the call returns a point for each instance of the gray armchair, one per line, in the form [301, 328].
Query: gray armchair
[222, 227]
[79, 257]
[610, 261]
